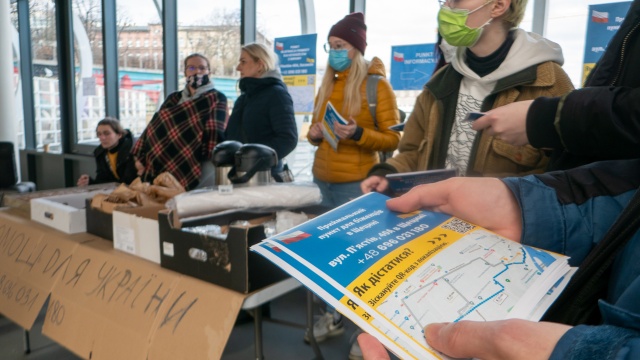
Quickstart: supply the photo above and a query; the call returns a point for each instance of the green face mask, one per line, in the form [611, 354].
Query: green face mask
[452, 25]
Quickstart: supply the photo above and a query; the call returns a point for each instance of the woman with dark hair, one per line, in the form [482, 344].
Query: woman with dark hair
[114, 162]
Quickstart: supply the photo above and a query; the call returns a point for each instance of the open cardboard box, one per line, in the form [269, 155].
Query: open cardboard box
[225, 262]
[63, 212]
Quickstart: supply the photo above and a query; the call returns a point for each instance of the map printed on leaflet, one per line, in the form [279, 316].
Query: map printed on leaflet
[393, 273]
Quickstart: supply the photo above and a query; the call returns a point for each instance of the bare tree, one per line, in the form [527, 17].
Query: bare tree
[218, 37]
[90, 14]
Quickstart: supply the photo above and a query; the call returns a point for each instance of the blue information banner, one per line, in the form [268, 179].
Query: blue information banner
[412, 66]
[297, 56]
[603, 21]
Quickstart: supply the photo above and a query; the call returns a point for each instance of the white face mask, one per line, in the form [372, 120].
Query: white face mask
[448, 50]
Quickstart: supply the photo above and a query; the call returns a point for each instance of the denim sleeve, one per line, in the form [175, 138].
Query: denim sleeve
[604, 342]
[563, 227]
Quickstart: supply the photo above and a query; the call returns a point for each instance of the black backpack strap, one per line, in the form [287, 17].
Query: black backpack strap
[578, 303]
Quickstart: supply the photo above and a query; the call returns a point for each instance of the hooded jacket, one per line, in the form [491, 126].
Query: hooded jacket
[532, 68]
[602, 120]
[125, 165]
[263, 114]
[354, 158]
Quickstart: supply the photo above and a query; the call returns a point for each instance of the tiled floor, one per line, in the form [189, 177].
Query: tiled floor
[280, 341]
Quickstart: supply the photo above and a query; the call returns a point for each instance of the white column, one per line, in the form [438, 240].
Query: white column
[8, 122]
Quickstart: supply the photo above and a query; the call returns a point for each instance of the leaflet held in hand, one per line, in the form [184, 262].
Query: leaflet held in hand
[331, 117]
[393, 273]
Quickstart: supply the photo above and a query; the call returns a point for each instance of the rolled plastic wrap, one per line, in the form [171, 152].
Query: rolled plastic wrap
[202, 202]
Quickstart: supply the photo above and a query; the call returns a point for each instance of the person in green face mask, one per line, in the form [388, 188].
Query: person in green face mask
[452, 24]
[491, 63]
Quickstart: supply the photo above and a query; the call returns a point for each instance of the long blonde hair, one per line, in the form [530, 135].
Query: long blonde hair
[352, 103]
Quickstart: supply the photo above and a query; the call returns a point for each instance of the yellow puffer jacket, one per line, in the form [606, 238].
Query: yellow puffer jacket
[354, 159]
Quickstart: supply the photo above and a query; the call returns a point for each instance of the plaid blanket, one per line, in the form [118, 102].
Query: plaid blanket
[180, 136]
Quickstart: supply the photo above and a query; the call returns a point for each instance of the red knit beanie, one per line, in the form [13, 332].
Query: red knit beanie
[351, 29]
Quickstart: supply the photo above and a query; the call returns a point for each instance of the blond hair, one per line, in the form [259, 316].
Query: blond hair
[514, 15]
[351, 104]
[262, 55]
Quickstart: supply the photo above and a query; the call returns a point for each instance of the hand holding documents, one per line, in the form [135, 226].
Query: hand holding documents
[393, 273]
[397, 127]
[400, 183]
[331, 116]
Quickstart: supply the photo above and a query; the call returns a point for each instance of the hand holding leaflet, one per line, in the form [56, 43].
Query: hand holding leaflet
[394, 273]
[400, 183]
[331, 117]
[397, 127]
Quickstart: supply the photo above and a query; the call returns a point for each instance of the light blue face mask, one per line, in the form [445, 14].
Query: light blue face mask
[339, 59]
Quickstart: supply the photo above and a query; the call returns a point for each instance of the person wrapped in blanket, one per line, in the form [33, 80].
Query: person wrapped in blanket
[183, 133]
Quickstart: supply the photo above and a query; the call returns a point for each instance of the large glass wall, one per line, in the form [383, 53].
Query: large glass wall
[213, 28]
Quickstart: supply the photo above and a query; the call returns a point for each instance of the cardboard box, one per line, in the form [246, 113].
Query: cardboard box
[135, 230]
[63, 212]
[22, 201]
[105, 304]
[228, 262]
[99, 223]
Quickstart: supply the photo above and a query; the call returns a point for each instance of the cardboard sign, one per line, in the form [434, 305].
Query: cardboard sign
[107, 304]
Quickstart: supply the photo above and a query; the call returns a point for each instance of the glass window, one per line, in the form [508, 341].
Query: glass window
[213, 30]
[45, 71]
[389, 26]
[277, 20]
[89, 62]
[140, 72]
[282, 20]
[567, 25]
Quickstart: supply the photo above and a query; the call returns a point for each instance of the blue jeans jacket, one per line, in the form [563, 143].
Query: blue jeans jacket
[570, 219]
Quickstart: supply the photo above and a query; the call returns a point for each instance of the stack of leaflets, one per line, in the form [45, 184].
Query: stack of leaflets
[331, 117]
[393, 273]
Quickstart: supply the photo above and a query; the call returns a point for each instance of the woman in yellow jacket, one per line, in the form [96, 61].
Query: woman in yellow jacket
[338, 173]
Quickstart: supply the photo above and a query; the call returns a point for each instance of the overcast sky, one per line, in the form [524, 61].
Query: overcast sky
[398, 22]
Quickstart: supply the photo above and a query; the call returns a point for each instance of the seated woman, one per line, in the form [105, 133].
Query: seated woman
[182, 134]
[114, 162]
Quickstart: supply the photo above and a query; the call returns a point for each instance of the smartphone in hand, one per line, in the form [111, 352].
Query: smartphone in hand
[472, 116]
